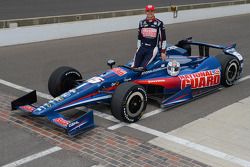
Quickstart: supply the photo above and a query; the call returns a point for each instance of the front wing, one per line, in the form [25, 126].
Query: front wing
[73, 128]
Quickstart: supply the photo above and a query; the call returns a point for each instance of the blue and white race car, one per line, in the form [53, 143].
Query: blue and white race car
[184, 76]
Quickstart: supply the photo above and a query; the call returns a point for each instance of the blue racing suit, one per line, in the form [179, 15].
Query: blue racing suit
[151, 39]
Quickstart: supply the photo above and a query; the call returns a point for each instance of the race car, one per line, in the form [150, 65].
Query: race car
[184, 76]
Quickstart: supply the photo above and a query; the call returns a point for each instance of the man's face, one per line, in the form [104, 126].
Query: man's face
[150, 14]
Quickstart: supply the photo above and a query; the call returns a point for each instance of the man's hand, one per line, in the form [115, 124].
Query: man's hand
[163, 56]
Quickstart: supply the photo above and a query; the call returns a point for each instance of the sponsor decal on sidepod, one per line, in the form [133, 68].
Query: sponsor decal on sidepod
[201, 79]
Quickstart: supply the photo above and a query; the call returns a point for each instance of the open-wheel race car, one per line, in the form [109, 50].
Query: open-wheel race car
[182, 77]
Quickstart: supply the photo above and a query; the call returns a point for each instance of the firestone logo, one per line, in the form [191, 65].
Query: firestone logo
[156, 81]
[201, 79]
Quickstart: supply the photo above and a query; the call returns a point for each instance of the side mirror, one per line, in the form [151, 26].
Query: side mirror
[110, 63]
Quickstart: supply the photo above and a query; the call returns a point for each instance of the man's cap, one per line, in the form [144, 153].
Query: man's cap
[150, 7]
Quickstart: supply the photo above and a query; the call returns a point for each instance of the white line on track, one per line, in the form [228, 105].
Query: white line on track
[149, 114]
[33, 157]
[157, 111]
[152, 113]
[117, 126]
[18, 87]
[98, 165]
[100, 114]
[244, 78]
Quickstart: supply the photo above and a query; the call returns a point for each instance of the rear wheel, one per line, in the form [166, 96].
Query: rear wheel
[230, 69]
[62, 80]
[129, 102]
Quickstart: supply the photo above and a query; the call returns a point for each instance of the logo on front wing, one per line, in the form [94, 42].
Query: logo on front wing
[61, 121]
[73, 124]
[28, 108]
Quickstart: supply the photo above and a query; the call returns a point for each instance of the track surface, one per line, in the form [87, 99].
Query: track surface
[16, 9]
[30, 66]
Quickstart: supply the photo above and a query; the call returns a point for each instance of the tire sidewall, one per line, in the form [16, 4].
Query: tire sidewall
[57, 81]
[120, 100]
[69, 75]
[230, 81]
[226, 61]
[126, 114]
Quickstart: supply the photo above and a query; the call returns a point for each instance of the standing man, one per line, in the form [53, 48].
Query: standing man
[151, 39]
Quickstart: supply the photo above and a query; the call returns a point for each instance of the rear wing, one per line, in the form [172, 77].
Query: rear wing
[204, 48]
[72, 127]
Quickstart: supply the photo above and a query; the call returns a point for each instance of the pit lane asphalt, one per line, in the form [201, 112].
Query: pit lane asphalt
[16, 9]
[30, 66]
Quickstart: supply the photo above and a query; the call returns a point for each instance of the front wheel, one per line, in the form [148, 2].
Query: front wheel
[129, 102]
[62, 80]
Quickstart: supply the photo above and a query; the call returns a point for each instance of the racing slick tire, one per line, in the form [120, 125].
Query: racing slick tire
[62, 80]
[230, 69]
[129, 102]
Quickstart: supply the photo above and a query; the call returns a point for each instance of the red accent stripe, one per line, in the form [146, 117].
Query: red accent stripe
[180, 97]
[81, 98]
[110, 88]
[168, 83]
[89, 95]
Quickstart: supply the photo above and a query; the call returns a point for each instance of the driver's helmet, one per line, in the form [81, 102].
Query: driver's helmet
[173, 68]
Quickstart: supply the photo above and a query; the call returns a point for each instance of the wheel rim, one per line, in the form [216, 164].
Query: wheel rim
[135, 104]
[232, 72]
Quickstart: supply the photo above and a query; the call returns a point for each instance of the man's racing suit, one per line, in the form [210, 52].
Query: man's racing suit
[151, 39]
